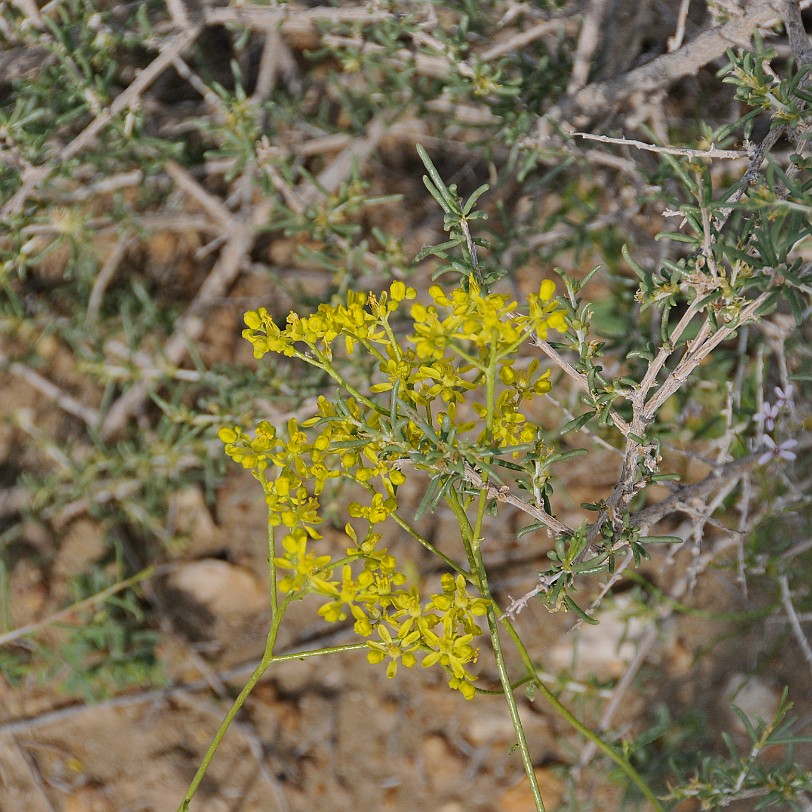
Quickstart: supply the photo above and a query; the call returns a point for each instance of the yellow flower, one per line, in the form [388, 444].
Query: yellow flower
[395, 648]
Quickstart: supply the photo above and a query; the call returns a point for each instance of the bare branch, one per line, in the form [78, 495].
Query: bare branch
[661, 72]
[50, 390]
[798, 38]
[688, 153]
[504, 495]
[794, 620]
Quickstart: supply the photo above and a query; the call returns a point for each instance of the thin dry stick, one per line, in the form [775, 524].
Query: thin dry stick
[644, 646]
[435, 67]
[276, 59]
[598, 97]
[697, 352]
[504, 495]
[587, 45]
[688, 153]
[222, 276]
[102, 186]
[86, 603]
[207, 201]
[522, 39]
[794, 620]
[144, 79]
[643, 411]
[191, 325]
[798, 38]
[331, 178]
[292, 19]
[684, 498]
[105, 276]
[676, 41]
[580, 379]
[294, 200]
[177, 10]
[176, 45]
[50, 390]
[659, 361]
[30, 10]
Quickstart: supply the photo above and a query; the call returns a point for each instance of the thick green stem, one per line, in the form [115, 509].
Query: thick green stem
[318, 652]
[267, 659]
[490, 389]
[272, 571]
[472, 538]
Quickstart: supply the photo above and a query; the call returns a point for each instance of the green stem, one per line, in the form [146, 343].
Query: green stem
[504, 677]
[482, 503]
[236, 706]
[490, 389]
[324, 363]
[449, 562]
[393, 342]
[453, 500]
[317, 652]
[472, 537]
[566, 714]
[272, 571]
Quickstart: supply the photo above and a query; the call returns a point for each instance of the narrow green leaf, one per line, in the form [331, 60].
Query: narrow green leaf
[660, 540]
[531, 528]
[439, 249]
[437, 195]
[429, 498]
[576, 423]
[439, 191]
[471, 202]
[573, 607]
[565, 455]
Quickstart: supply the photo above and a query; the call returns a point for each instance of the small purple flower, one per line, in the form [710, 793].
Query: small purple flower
[777, 450]
[766, 416]
[784, 396]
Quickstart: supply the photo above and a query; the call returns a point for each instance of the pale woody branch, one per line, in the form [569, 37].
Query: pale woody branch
[504, 495]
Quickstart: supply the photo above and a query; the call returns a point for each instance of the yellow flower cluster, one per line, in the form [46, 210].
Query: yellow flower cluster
[488, 322]
[327, 447]
[454, 342]
[466, 340]
[364, 320]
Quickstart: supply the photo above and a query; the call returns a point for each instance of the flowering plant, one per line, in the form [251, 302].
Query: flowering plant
[444, 395]
[446, 399]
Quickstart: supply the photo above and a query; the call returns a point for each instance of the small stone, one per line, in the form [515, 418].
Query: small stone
[223, 588]
[520, 797]
[192, 517]
[489, 728]
[443, 767]
[753, 696]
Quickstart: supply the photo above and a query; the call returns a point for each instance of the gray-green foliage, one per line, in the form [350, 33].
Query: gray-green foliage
[699, 330]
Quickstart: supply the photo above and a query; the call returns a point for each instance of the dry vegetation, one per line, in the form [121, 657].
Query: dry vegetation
[165, 167]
